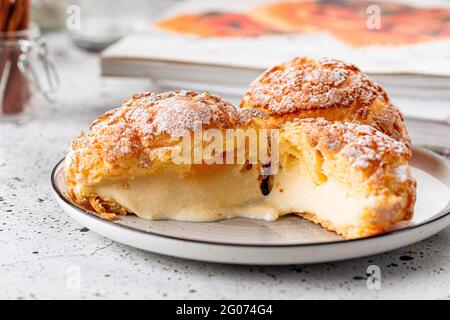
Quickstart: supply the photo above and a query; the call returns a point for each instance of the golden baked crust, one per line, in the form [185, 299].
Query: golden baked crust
[365, 160]
[327, 88]
[137, 138]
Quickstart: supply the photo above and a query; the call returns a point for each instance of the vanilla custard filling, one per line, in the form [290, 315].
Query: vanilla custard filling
[209, 195]
[234, 192]
[295, 191]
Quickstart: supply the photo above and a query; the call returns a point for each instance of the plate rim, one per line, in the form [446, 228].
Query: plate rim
[441, 215]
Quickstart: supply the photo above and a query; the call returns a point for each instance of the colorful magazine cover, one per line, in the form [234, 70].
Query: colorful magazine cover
[379, 36]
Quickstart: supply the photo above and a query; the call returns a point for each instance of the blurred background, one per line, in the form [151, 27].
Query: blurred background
[64, 62]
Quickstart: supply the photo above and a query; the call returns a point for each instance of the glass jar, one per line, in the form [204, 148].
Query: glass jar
[24, 69]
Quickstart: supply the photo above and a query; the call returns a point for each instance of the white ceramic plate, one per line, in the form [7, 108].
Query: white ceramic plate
[289, 240]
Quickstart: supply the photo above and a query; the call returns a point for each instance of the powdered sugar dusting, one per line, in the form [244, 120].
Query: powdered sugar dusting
[173, 116]
[362, 145]
[147, 117]
[402, 172]
[304, 83]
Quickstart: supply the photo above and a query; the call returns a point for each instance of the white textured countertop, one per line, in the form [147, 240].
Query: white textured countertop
[45, 254]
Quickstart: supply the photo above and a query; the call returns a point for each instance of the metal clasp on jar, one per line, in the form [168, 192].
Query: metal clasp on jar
[38, 48]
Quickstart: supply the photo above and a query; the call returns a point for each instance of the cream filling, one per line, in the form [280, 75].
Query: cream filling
[206, 196]
[231, 192]
[295, 191]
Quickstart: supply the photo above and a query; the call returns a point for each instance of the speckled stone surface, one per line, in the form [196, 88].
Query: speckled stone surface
[44, 254]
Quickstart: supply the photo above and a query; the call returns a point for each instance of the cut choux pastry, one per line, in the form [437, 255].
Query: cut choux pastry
[143, 158]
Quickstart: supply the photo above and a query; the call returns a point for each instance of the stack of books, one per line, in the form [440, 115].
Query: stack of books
[221, 46]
